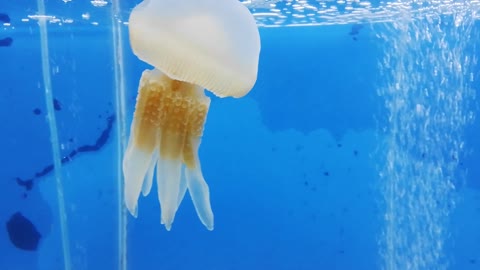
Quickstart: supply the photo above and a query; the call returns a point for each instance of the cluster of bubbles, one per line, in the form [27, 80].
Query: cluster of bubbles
[274, 13]
[268, 13]
[426, 75]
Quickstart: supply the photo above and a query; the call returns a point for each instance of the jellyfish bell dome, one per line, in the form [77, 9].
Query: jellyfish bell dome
[211, 43]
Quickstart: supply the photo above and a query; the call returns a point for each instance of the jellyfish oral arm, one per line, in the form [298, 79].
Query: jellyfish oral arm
[165, 136]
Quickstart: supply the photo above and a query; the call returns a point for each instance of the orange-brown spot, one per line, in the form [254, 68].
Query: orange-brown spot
[170, 115]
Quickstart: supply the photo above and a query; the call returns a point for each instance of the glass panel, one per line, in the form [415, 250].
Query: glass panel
[356, 149]
[81, 71]
[26, 213]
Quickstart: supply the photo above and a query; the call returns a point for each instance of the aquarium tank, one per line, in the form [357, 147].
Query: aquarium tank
[234, 135]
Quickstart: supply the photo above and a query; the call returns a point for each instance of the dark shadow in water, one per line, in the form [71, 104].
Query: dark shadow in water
[4, 18]
[100, 142]
[23, 234]
[5, 42]
[355, 31]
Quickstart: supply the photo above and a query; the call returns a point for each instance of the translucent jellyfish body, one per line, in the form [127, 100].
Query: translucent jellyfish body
[193, 45]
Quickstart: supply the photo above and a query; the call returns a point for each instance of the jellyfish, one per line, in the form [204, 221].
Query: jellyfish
[192, 45]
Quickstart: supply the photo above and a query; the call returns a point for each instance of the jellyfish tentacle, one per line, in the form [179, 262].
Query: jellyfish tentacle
[183, 187]
[135, 166]
[168, 184]
[198, 189]
[148, 181]
[169, 166]
[141, 146]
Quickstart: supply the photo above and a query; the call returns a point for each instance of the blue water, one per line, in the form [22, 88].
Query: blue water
[305, 172]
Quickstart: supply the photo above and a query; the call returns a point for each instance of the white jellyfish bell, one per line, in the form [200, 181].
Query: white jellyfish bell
[193, 45]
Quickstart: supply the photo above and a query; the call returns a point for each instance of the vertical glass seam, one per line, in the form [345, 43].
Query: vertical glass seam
[120, 108]
[52, 124]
